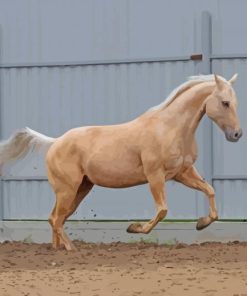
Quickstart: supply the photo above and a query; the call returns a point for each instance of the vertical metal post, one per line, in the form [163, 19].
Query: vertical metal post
[206, 35]
[1, 199]
[1, 89]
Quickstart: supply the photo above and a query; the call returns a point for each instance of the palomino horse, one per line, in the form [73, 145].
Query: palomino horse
[156, 147]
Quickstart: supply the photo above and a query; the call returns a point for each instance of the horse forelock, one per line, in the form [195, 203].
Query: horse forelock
[192, 80]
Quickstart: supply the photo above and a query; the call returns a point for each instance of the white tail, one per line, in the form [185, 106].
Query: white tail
[20, 143]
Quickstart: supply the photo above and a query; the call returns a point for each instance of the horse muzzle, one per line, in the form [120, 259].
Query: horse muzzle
[233, 135]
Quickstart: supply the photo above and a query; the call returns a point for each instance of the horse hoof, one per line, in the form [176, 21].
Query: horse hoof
[135, 228]
[203, 222]
[70, 247]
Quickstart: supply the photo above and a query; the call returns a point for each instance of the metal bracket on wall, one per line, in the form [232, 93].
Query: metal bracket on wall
[196, 57]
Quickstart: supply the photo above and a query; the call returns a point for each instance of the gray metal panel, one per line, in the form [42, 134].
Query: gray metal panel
[229, 23]
[35, 200]
[231, 198]
[27, 199]
[63, 30]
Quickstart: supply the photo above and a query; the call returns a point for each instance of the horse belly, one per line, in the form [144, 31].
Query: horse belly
[114, 174]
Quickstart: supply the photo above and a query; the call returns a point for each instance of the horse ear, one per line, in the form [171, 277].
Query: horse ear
[219, 82]
[234, 78]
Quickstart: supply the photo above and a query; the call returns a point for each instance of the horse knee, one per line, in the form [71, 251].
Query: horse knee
[210, 191]
[214, 215]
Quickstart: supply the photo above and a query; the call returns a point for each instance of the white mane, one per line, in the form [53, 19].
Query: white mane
[192, 80]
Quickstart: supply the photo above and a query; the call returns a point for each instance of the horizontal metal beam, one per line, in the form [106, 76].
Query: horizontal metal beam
[229, 177]
[228, 56]
[193, 57]
[93, 63]
[24, 178]
[107, 232]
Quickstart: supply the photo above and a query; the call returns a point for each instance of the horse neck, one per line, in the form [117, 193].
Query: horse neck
[187, 110]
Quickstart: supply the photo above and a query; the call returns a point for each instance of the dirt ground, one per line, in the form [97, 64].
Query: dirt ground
[124, 269]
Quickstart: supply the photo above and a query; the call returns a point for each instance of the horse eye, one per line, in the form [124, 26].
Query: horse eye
[226, 104]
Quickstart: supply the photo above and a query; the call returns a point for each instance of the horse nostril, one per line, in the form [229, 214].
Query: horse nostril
[236, 135]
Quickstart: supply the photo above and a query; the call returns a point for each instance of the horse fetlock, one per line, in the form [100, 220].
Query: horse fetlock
[162, 213]
[214, 216]
[146, 228]
[55, 245]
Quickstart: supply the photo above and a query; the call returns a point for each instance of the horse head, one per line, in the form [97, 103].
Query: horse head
[221, 107]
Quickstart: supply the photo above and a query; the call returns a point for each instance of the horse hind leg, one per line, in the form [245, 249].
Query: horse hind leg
[66, 203]
[55, 237]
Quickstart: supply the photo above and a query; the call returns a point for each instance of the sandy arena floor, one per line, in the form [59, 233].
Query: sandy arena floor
[124, 269]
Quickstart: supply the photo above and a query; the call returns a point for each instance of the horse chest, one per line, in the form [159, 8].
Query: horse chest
[188, 160]
[175, 164]
[183, 155]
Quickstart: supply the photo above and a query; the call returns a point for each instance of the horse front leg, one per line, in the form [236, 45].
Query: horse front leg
[192, 179]
[156, 182]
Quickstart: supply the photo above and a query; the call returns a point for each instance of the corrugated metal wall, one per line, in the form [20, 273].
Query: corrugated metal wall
[60, 68]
